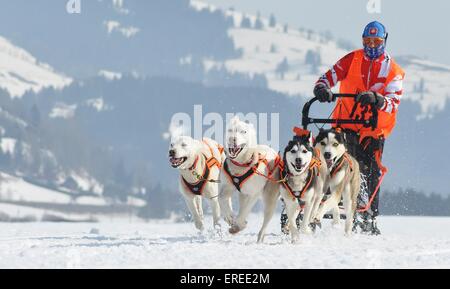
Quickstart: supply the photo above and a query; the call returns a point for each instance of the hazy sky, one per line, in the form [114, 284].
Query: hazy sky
[416, 27]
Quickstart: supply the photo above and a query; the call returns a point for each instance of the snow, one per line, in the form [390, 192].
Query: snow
[20, 71]
[128, 32]
[87, 183]
[8, 145]
[110, 75]
[62, 110]
[12, 118]
[407, 242]
[35, 214]
[16, 189]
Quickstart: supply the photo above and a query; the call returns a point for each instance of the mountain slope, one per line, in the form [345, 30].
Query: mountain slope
[20, 71]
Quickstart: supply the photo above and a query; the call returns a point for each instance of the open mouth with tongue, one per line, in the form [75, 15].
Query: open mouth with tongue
[298, 166]
[176, 162]
[235, 150]
[330, 162]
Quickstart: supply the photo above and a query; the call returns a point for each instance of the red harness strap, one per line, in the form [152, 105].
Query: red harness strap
[239, 180]
[345, 157]
[383, 172]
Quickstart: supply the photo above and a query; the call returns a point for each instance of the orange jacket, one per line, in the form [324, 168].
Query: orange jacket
[357, 69]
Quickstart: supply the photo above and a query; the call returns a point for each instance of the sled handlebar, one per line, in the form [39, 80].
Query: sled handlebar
[371, 122]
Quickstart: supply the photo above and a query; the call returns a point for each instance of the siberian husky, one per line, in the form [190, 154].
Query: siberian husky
[251, 169]
[199, 164]
[344, 177]
[303, 177]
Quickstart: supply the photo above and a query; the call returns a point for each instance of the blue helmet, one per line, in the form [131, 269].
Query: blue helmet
[375, 29]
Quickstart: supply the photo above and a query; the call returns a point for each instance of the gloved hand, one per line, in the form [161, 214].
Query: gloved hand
[370, 97]
[323, 93]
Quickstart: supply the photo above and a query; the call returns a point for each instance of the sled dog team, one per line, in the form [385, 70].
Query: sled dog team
[301, 176]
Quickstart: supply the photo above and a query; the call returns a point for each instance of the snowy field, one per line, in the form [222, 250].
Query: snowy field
[407, 242]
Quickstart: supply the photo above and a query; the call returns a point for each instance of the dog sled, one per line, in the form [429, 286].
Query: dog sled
[365, 198]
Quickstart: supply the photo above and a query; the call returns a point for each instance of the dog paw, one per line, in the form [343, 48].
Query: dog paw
[234, 229]
[199, 226]
[317, 223]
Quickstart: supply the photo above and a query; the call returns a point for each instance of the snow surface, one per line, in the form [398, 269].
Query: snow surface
[407, 242]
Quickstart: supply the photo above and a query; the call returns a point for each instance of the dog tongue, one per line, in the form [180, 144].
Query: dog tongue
[329, 163]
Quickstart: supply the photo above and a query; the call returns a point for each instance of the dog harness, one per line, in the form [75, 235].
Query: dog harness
[239, 180]
[313, 172]
[345, 158]
[197, 188]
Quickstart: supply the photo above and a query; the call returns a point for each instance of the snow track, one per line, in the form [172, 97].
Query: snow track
[407, 242]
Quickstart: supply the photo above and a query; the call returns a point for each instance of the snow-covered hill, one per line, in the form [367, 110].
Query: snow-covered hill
[264, 49]
[407, 242]
[22, 200]
[20, 71]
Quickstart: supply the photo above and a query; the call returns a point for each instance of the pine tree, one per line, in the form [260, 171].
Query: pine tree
[272, 21]
[259, 25]
[246, 23]
[282, 68]
[35, 116]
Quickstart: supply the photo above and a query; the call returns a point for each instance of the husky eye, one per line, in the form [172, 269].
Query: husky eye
[304, 151]
[243, 131]
[183, 145]
[335, 144]
[323, 143]
[293, 151]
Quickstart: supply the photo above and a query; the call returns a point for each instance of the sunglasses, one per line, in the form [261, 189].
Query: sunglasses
[373, 41]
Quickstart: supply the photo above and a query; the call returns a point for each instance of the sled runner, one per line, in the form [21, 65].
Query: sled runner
[365, 198]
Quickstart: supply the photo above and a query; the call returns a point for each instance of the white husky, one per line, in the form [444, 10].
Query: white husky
[343, 173]
[251, 169]
[304, 175]
[199, 163]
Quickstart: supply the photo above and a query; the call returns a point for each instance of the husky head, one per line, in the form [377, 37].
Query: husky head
[182, 152]
[331, 143]
[240, 137]
[298, 154]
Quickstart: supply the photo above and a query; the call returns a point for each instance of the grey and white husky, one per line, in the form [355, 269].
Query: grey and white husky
[304, 175]
[344, 176]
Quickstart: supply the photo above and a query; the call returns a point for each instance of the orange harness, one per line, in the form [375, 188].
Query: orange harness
[239, 180]
[313, 172]
[197, 188]
[345, 157]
